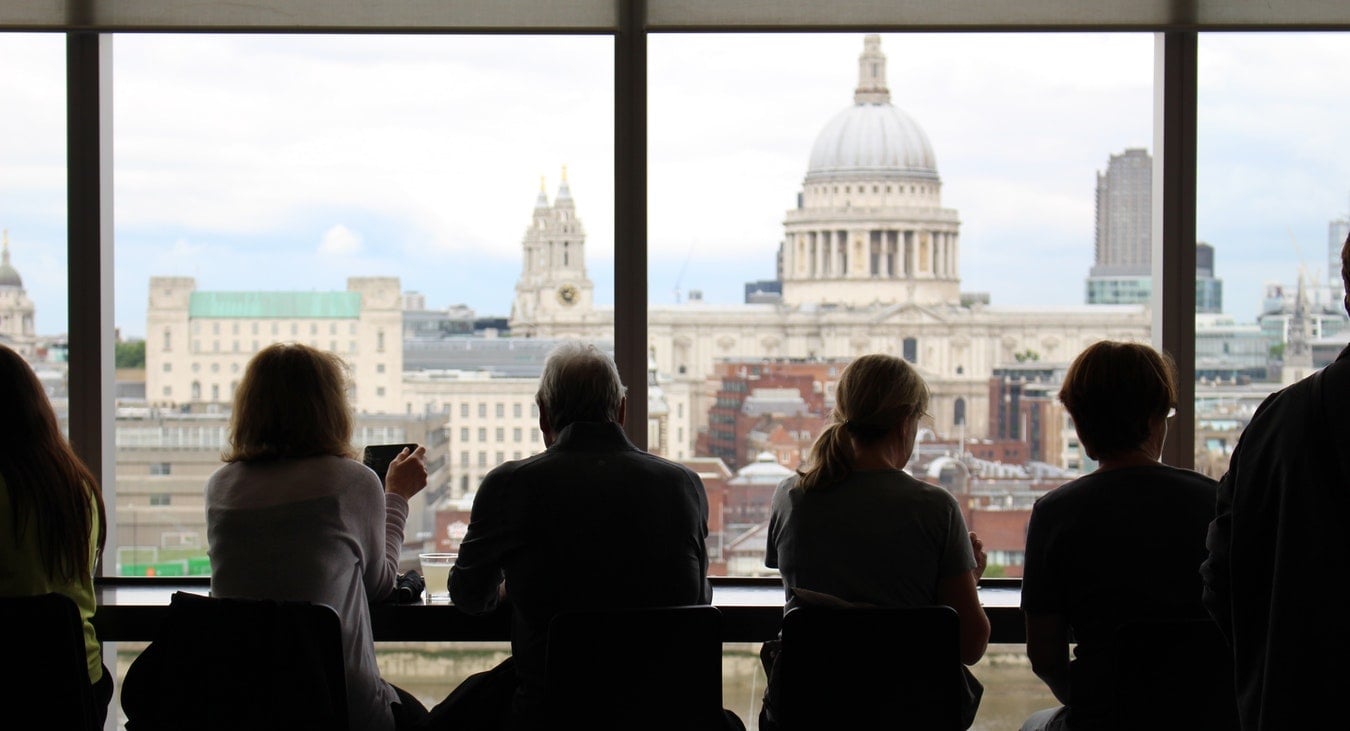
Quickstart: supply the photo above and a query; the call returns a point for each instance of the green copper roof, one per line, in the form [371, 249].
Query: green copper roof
[290, 305]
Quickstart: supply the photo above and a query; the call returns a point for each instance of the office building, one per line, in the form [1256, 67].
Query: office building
[1121, 272]
[1337, 231]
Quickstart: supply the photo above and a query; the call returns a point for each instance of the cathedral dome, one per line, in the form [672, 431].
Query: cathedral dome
[872, 139]
[9, 276]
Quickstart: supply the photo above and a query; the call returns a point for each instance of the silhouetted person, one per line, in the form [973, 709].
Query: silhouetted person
[293, 515]
[854, 528]
[52, 524]
[1275, 547]
[590, 522]
[1122, 543]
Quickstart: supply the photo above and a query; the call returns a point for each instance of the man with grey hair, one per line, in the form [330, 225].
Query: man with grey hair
[1278, 528]
[590, 522]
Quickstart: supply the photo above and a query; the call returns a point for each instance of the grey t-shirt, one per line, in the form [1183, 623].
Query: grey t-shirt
[876, 537]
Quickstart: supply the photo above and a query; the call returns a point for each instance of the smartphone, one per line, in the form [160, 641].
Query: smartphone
[378, 456]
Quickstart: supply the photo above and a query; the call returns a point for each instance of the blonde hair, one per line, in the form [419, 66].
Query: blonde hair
[292, 402]
[876, 394]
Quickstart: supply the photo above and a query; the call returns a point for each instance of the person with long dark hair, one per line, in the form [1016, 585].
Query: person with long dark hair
[51, 511]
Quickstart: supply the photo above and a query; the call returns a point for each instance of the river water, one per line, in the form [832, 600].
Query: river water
[1012, 692]
[431, 670]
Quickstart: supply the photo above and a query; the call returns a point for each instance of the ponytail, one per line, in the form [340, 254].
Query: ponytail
[831, 458]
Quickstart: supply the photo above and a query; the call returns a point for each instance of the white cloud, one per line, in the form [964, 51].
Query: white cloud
[340, 241]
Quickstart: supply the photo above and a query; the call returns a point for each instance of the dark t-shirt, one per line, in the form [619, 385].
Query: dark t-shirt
[876, 537]
[1114, 546]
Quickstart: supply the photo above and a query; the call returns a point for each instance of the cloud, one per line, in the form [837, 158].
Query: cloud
[340, 241]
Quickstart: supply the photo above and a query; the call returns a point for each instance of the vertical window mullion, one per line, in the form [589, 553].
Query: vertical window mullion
[89, 253]
[1173, 303]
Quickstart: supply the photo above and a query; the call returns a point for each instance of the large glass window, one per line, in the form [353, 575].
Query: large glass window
[938, 197]
[1273, 209]
[33, 272]
[934, 197]
[380, 197]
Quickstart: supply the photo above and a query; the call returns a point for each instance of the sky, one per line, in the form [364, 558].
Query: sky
[294, 162]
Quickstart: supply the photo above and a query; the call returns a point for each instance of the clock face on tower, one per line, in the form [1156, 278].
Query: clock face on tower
[567, 294]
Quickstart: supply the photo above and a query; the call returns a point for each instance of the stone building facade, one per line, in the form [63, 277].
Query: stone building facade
[198, 342]
[869, 263]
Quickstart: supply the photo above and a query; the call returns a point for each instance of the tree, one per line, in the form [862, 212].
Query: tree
[130, 354]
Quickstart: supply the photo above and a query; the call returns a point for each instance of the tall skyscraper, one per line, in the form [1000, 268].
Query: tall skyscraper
[1208, 288]
[1337, 230]
[1124, 231]
[1123, 272]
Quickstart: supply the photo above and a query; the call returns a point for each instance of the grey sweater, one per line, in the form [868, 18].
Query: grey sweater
[318, 529]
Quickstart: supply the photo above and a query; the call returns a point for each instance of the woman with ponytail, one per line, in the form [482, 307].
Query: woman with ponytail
[51, 511]
[853, 528]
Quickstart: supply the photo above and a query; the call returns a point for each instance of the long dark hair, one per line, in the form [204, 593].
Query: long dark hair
[50, 489]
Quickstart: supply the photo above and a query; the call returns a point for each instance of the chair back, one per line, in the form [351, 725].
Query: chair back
[869, 667]
[650, 668]
[239, 663]
[1177, 670]
[44, 662]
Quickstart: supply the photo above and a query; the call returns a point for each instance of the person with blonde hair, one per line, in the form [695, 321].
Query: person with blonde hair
[52, 524]
[1132, 513]
[853, 527]
[293, 516]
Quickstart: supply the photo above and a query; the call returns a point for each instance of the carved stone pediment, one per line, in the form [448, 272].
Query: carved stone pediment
[908, 313]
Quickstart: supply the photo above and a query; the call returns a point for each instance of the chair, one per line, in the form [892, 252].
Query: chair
[651, 668]
[868, 668]
[221, 664]
[44, 662]
[1174, 673]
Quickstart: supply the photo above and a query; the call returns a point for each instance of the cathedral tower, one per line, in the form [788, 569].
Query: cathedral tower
[553, 285]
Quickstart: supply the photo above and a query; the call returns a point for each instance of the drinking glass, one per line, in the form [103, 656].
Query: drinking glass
[436, 571]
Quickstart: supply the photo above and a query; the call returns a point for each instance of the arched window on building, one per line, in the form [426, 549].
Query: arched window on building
[196, 390]
[910, 350]
[959, 412]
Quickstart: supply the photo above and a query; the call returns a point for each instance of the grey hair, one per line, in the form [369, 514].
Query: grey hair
[580, 383]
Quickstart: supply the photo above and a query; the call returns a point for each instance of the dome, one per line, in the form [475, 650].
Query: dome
[9, 276]
[765, 470]
[872, 139]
